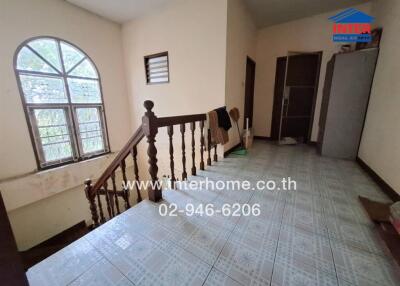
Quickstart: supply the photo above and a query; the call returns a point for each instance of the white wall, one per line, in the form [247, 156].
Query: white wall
[41, 204]
[194, 34]
[240, 43]
[304, 35]
[380, 143]
[101, 40]
[207, 41]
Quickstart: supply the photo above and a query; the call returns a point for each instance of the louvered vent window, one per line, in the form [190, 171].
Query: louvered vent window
[157, 68]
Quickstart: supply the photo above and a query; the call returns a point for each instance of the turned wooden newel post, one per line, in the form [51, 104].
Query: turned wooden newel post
[92, 203]
[150, 129]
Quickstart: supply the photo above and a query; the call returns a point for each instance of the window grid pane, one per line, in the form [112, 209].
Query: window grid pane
[90, 130]
[48, 49]
[84, 91]
[71, 56]
[54, 134]
[49, 101]
[84, 69]
[40, 89]
[28, 61]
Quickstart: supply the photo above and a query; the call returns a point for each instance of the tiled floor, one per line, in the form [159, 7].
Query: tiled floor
[317, 235]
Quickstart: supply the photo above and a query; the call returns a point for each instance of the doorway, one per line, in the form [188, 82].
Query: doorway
[296, 87]
[249, 92]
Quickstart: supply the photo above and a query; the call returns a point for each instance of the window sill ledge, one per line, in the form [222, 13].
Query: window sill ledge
[28, 188]
[72, 164]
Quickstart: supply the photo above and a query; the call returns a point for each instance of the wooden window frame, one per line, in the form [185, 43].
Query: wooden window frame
[69, 107]
[146, 70]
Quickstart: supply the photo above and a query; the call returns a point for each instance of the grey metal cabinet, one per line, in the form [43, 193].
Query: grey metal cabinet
[344, 104]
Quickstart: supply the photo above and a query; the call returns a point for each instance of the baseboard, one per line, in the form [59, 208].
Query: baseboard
[267, 138]
[262, 138]
[388, 190]
[227, 152]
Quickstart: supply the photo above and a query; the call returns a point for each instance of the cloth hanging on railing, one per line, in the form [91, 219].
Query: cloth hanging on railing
[218, 135]
[224, 120]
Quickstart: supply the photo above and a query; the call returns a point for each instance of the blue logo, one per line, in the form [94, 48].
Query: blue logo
[352, 25]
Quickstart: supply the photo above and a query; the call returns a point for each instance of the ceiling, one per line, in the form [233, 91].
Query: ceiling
[265, 12]
[271, 12]
[120, 11]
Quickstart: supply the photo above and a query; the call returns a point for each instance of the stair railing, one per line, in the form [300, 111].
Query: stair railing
[149, 129]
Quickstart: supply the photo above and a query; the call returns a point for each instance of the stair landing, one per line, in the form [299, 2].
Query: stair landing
[316, 235]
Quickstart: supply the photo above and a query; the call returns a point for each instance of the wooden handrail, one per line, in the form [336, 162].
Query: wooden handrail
[176, 120]
[137, 137]
[133, 141]
[149, 129]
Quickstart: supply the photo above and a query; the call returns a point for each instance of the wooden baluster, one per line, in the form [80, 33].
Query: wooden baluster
[114, 185]
[123, 169]
[126, 197]
[215, 153]
[108, 201]
[209, 147]
[150, 129]
[92, 203]
[201, 145]
[136, 171]
[184, 174]
[102, 218]
[125, 186]
[192, 128]
[171, 155]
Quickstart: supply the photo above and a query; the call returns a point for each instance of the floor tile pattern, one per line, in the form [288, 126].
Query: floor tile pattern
[317, 234]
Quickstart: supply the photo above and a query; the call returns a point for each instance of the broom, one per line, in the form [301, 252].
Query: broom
[234, 114]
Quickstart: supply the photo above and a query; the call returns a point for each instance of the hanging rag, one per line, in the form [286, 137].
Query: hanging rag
[235, 115]
[218, 135]
[223, 118]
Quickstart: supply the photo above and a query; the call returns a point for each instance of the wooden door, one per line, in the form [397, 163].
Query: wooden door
[294, 99]
[249, 92]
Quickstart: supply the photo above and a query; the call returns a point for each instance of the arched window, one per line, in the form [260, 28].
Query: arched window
[61, 93]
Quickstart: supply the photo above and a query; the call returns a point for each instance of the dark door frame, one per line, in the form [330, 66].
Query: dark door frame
[278, 93]
[317, 79]
[249, 94]
[275, 112]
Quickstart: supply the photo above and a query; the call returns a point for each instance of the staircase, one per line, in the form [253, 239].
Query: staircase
[100, 192]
